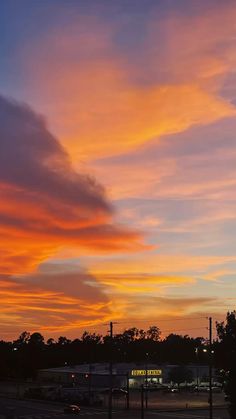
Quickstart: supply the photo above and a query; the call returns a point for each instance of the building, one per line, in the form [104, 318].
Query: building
[124, 375]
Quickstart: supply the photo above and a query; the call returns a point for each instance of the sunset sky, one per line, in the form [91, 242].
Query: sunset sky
[117, 165]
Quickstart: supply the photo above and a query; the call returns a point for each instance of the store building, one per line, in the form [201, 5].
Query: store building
[124, 374]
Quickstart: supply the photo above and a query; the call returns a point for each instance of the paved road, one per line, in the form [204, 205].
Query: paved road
[100, 414]
[188, 414]
[24, 409]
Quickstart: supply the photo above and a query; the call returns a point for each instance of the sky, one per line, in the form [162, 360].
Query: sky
[117, 165]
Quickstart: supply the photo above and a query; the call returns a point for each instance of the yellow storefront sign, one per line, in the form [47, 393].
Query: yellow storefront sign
[136, 373]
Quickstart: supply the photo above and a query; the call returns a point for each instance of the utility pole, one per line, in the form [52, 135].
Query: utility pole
[89, 383]
[210, 370]
[127, 387]
[197, 360]
[146, 381]
[110, 373]
[142, 401]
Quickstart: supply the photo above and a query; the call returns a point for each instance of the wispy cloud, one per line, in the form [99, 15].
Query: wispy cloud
[52, 302]
[179, 85]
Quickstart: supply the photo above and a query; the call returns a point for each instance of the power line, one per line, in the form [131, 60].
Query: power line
[181, 330]
[100, 325]
[160, 320]
[151, 322]
[96, 325]
[184, 329]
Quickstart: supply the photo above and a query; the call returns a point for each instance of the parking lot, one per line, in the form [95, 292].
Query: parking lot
[161, 400]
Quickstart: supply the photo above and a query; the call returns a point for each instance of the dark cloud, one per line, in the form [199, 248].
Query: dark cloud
[32, 159]
[45, 204]
[78, 284]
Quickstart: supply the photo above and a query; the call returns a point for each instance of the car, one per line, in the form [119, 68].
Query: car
[119, 392]
[116, 392]
[203, 389]
[72, 408]
[215, 389]
[171, 390]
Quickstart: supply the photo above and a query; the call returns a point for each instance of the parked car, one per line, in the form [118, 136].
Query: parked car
[203, 389]
[119, 392]
[171, 390]
[215, 389]
[116, 392]
[72, 408]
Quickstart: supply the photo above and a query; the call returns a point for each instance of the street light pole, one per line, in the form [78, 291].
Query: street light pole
[110, 373]
[197, 371]
[142, 405]
[210, 370]
[127, 387]
[146, 386]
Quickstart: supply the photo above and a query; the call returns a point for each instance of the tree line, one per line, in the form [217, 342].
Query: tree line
[20, 359]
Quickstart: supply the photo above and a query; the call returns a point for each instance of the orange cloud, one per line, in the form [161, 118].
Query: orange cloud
[191, 313]
[98, 111]
[46, 205]
[191, 171]
[52, 303]
[134, 284]
[155, 265]
[197, 47]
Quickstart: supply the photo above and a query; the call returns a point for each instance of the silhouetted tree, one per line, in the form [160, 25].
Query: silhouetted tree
[153, 333]
[91, 337]
[24, 356]
[62, 340]
[36, 339]
[51, 342]
[23, 339]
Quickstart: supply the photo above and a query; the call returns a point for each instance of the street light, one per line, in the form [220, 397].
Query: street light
[210, 353]
[146, 387]
[197, 352]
